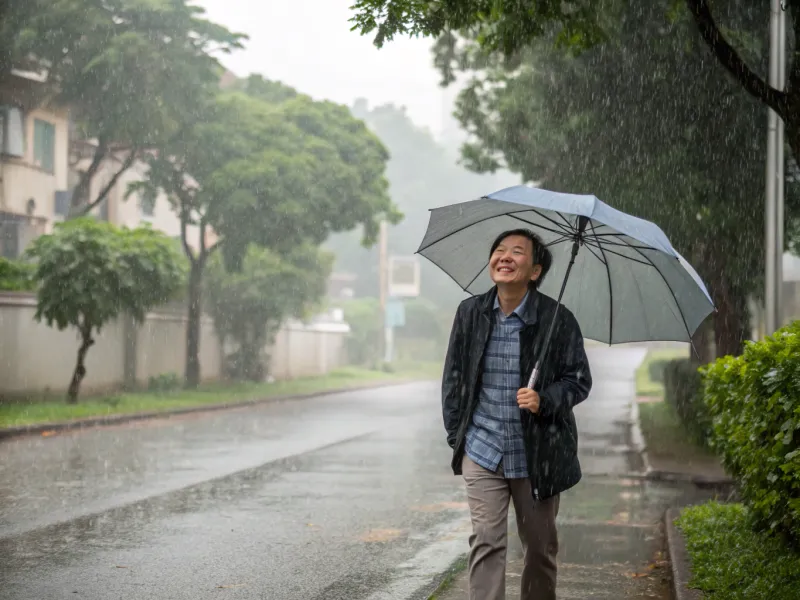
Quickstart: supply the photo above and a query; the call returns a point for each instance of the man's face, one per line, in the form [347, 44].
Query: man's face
[512, 262]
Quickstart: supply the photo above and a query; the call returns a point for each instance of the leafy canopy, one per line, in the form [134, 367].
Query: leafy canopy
[89, 272]
[249, 306]
[502, 25]
[275, 173]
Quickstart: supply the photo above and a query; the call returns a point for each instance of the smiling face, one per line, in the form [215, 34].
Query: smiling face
[511, 263]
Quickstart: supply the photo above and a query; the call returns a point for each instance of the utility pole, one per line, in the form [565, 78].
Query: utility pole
[773, 221]
[383, 282]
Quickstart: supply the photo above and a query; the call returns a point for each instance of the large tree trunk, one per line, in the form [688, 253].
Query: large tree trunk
[703, 343]
[80, 368]
[195, 311]
[730, 321]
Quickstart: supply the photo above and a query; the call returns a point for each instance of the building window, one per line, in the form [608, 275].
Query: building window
[12, 131]
[44, 145]
[147, 202]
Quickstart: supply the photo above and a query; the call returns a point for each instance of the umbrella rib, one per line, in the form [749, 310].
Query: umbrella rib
[624, 244]
[563, 218]
[671, 291]
[596, 244]
[593, 253]
[559, 231]
[569, 231]
[476, 276]
[511, 214]
[610, 293]
[563, 238]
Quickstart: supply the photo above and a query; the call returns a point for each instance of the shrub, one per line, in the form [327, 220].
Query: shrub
[754, 400]
[655, 370]
[16, 276]
[683, 389]
[164, 382]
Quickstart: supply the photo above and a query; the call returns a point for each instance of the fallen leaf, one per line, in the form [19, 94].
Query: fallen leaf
[121, 567]
[48, 433]
[231, 585]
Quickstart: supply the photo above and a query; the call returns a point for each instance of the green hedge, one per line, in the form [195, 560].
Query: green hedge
[16, 276]
[683, 388]
[754, 400]
[656, 370]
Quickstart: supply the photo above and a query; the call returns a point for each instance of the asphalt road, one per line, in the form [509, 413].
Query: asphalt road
[347, 496]
[333, 497]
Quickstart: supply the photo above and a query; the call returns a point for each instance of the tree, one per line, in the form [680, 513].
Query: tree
[422, 174]
[249, 306]
[500, 25]
[132, 73]
[274, 174]
[16, 276]
[642, 124]
[89, 273]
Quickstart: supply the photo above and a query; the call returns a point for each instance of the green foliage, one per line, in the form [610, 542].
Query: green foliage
[164, 382]
[364, 342]
[16, 276]
[504, 25]
[422, 174]
[641, 122]
[754, 400]
[730, 562]
[250, 305]
[683, 390]
[90, 272]
[133, 72]
[269, 168]
[655, 370]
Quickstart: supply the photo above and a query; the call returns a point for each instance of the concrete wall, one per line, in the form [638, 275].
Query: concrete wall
[37, 358]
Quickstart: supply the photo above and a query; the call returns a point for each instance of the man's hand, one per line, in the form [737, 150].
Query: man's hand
[527, 398]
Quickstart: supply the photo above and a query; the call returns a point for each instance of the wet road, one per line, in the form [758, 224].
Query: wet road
[346, 496]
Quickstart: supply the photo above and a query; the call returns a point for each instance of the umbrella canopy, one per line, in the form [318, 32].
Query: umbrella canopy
[628, 284]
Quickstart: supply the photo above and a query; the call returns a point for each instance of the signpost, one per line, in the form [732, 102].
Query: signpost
[399, 280]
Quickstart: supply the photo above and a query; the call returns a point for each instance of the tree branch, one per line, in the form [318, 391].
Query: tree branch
[731, 60]
[86, 179]
[110, 185]
[184, 233]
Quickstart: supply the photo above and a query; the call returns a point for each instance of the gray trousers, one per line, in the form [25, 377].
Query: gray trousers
[488, 494]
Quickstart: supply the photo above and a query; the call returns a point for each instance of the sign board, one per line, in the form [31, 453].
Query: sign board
[395, 313]
[403, 277]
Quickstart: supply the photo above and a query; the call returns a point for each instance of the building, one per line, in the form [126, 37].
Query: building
[34, 161]
[40, 166]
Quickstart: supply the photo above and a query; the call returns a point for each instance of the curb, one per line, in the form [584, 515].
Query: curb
[680, 564]
[698, 480]
[60, 426]
[640, 447]
[637, 439]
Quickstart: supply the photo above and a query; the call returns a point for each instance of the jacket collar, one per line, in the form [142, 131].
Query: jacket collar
[530, 312]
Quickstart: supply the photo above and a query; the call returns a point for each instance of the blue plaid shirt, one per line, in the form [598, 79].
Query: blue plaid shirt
[495, 434]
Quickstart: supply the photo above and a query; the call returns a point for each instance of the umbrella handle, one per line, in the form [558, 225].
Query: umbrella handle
[534, 376]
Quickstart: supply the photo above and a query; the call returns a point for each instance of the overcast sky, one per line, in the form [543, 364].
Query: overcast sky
[308, 45]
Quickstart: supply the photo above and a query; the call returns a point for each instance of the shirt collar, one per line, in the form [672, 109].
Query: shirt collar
[519, 311]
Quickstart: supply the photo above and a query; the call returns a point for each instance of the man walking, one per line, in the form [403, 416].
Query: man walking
[511, 443]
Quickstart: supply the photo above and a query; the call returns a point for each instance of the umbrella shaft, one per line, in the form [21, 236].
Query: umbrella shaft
[535, 373]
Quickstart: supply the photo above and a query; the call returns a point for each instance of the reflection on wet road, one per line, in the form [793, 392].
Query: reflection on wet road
[347, 496]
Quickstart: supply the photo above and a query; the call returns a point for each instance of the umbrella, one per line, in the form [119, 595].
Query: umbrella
[631, 285]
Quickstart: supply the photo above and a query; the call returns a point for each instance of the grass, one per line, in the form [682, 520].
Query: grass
[645, 386]
[664, 433]
[455, 569]
[48, 411]
[732, 562]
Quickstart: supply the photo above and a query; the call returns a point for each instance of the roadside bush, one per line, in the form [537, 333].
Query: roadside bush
[16, 276]
[164, 382]
[683, 387]
[754, 400]
[656, 370]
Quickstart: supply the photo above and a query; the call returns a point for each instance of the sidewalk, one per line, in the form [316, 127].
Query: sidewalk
[610, 524]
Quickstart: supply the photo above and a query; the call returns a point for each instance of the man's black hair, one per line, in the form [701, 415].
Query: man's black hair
[541, 253]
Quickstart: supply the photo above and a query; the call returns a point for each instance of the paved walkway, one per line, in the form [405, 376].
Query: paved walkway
[609, 525]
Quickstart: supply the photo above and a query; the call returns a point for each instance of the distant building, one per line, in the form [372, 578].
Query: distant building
[34, 163]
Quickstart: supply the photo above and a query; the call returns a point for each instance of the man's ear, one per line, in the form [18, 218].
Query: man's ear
[537, 272]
